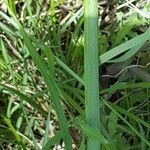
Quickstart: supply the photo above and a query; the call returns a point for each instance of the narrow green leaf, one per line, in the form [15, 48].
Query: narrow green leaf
[124, 85]
[125, 112]
[12, 5]
[132, 128]
[51, 142]
[12, 129]
[45, 137]
[124, 47]
[128, 54]
[36, 147]
[25, 98]
[52, 86]
[72, 102]
[91, 70]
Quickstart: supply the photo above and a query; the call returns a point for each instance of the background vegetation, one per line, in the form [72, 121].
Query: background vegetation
[42, 98]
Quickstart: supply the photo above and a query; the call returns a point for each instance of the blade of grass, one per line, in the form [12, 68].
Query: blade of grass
[29, 9]
[128, 54]
[51, 142]
[132, 128]
[45, 137]
[38, 7]
[7, 30]
[52, 87]
[10, 20]
[26, 98]
[36, 147]
[91, 70]
[12, 129]
[94, 135]
[71, 101]
[124, 47]
[124, 85]
[50, 82]
[12, 5]
[125, 112]
[61, 63]
[72, 73]
[72, 18]
[52, 11]
[7, 59]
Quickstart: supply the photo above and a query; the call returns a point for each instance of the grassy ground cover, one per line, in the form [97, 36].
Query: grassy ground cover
[74, 74]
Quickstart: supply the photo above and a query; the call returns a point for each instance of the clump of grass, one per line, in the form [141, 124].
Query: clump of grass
[48, 103]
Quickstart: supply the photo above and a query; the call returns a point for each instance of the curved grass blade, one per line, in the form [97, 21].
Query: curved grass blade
[45, 137]
[124, 47]
[51, 142]
[12, 129]
[50, 82]
[132, 128]
[36, 147]
[128, 54]
[52, 87]
[72, 102]
[26, 98]
[61, 63]
[125, 112]
[124, 85]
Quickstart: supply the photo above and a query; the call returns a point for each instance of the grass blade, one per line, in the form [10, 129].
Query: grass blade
[12, 129]
[26, 98]
[36, 147]
[55, 140]
[61, 63]
[128, 54]
[52, 87]
[45, 137]
[130, 115]
[49, 80]
[124, 85]
[91, 70]
[124, 47]
[132, 127]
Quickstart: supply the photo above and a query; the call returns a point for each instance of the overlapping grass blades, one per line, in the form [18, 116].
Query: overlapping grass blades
[70, 92]
[49, 81]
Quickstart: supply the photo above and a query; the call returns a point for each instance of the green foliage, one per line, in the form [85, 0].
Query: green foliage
[49, 88]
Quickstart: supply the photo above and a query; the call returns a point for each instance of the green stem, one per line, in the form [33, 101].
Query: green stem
[91, 70]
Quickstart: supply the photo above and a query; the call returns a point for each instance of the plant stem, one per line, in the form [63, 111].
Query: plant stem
[91, 70]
